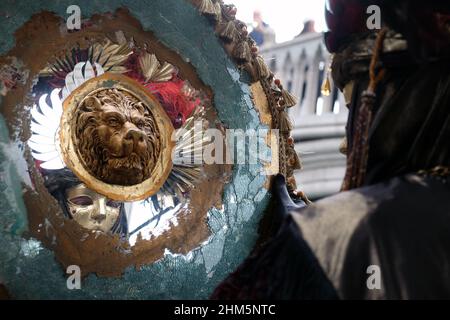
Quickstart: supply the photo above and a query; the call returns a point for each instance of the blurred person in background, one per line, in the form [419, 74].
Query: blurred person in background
[262, 33]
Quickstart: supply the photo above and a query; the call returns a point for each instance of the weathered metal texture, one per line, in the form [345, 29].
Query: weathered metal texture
[29, 270]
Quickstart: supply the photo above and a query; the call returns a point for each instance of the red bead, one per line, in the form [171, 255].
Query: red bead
[290, 140]
[277, 82]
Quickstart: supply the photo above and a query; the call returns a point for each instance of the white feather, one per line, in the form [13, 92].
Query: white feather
[70, 83]
[44, 141]
[89, 72]
[78, 76]
[65, 93]
[37, 116]
[47, 111]
[37, 138]
[54, 164]
[82, 72]
[41, 147]
[41, 130]
[56, 103]
[45, 156]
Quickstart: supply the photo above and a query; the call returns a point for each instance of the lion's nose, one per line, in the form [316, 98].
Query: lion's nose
[135, 136]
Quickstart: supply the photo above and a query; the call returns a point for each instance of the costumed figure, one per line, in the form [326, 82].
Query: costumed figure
[387, 234]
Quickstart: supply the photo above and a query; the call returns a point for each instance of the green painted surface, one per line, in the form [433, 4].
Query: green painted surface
[30, 271]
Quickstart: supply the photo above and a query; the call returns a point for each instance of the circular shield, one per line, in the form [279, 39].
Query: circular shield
[138, 147]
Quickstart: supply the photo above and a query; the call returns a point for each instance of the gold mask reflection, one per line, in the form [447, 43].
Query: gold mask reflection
[91, 210]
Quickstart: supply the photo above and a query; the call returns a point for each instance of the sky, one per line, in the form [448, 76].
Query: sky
[286, 17]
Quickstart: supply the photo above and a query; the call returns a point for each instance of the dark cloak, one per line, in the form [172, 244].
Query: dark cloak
[399, 221]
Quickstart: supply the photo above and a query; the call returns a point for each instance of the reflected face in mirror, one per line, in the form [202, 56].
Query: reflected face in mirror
[91, 210]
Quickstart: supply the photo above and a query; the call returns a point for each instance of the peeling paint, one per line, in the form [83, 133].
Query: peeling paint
[11, 75]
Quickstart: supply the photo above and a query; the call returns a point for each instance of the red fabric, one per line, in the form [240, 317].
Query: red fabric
[177, 105]
[170, 94]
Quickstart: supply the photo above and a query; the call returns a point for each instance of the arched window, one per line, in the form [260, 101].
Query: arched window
[304, 84]
[273, 64]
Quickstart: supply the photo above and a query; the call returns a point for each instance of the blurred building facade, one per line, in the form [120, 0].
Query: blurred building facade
[301, 64]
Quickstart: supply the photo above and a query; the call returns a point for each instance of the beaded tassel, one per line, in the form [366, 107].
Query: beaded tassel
[359, 153]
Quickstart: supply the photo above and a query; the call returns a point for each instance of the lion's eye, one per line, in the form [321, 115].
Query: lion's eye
[113, 122]
[140, 124]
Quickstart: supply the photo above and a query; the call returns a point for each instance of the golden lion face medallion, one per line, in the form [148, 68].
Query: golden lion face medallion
[116, 138]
